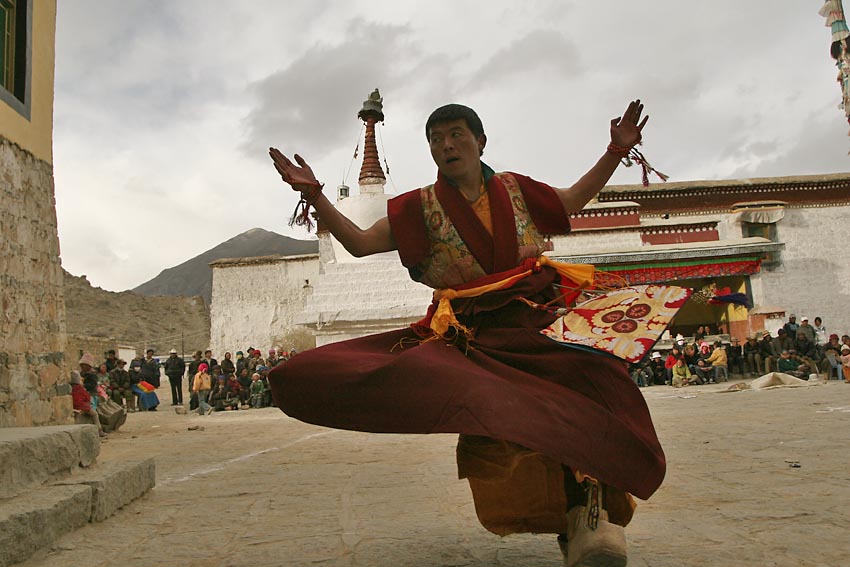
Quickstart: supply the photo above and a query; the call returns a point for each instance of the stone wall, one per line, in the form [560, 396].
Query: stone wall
[33, 377]
[76, 345]
[255, 300]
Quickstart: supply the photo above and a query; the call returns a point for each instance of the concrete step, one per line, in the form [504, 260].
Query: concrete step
[37, 518]
[31, 456]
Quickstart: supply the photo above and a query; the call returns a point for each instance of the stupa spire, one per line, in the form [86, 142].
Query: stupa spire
[371, 113]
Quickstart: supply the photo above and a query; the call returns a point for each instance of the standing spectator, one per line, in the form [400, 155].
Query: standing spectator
[227, 366]
[149, 370]
[807, 329]
[111, 361]
[271, 360]
[208, 358]
[201, 386]
[175, 367]
[241, 363]
[791, 326]
[121, 387]
[700, 334]
[820, 332]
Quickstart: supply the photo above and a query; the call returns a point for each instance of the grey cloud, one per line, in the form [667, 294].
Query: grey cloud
[310, 102]
[821, 147]
[546, 51]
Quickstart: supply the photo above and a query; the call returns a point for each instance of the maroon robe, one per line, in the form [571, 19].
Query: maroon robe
[511, 384]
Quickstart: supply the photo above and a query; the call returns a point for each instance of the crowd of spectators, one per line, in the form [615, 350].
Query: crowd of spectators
[799, 349]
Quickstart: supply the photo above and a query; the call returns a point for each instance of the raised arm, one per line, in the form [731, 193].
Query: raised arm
[625, 133]
[359, 242]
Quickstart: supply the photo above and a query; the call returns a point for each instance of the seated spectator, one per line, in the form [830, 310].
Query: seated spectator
[845, 340]
[831, 349]
[258, 391]
[89, 377]
[81, 398]
[245, 384]
[670, 362]
[752, 356]
[806, 349]
[768, 352]
[681, 375]
[234, 388]
[120, 387]
[788, 365]
[221, 398]
[716, 357]
[659, 373]
[691, 357]
[845, 362]
[102, 376]
[735, 354]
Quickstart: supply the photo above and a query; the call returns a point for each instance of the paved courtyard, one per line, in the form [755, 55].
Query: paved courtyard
[256, 488]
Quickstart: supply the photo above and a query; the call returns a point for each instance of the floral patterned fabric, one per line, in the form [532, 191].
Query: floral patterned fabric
[624, 323]
[451, 263]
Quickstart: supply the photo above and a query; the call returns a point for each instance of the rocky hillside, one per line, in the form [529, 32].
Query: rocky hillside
[194, 277]
[135, 319]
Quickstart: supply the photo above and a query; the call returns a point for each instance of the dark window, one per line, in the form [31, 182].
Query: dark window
[15, 49]
[771, 260]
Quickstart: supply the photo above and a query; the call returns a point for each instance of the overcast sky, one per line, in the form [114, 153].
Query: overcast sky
[164, 110]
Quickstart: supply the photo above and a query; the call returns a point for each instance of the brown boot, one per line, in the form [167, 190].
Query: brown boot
[593, 541]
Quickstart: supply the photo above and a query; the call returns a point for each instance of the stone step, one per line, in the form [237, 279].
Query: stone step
[114, 484]
[36, 519]
[31, 456]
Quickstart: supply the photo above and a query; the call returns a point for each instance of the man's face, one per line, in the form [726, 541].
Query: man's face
[454, 148]
[149, 354]
[208, 354]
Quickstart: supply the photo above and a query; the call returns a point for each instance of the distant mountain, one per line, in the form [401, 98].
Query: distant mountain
[194, 277]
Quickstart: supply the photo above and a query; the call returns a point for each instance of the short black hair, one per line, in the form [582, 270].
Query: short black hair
[452, 112]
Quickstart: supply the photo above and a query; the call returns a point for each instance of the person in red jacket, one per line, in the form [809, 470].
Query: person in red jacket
[82, 400]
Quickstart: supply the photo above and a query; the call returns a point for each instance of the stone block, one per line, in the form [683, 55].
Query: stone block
[33, 455]
[115, 485]
[38, 518]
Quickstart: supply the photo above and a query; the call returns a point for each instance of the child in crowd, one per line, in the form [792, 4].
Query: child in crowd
[845, 362]
[257, 391]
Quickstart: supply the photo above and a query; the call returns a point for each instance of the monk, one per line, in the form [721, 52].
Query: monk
[552, 439]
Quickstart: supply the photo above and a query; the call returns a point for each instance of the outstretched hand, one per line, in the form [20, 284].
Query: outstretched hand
[626, 130]
[300, 177]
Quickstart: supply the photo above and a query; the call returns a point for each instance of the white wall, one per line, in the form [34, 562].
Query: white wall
[255, 304]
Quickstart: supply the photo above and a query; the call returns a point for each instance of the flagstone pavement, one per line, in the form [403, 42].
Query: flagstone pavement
[755, 478]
